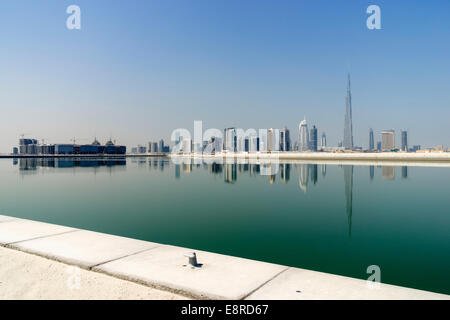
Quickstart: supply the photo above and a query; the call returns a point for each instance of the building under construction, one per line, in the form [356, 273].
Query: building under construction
[32, 147]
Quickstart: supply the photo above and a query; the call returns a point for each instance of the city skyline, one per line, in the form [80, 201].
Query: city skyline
[160, 71]
[238, 140]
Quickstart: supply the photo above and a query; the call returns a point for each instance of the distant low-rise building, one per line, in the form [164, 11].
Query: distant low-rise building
[28, 146]
[31, 147]
[64, 149]
[439, 148]
[142, 149]
[378, 145]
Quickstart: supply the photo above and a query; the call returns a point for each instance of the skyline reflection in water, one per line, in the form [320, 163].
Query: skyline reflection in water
[33, 164]
[307, 172]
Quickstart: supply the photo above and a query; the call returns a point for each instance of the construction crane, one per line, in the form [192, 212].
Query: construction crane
[74, 140]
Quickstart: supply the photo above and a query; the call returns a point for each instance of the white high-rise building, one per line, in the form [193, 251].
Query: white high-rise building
[324, 140]
[187, 145]
[263, 140]
[303, 136]
[273, 140]
[240, 143]
[253, 147]
[218, 145]
[230, 140]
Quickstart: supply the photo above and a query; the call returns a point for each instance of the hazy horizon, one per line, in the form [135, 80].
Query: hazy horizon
[137, 71]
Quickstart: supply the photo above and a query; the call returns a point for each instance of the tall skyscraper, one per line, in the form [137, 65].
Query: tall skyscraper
[263, 140]
[273, 140]
[324, 140]
[405, 141]
[303, 136]
[313, 139]
[229, 142]
[285, 141]
[387, 140]
[247, 144]
[348, 126]
[254, 141]
[218, 145]
[371, 140]
[270, 140]
[187, 146]
[240, 143]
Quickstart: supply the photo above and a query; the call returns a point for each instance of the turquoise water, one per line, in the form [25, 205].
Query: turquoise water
[337, 219]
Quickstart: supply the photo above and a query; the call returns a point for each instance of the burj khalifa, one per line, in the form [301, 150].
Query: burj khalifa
[348, 126]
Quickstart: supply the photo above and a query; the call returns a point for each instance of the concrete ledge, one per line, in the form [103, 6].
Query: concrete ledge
[165, 267]
[218, 277]
[26, 276]
[16, 230]
[301, 284]
[442, 157]
[6, 218]
[84, 248]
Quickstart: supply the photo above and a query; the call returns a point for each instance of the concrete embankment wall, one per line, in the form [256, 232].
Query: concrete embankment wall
[335, 156]
[166, 267]
[82, 156]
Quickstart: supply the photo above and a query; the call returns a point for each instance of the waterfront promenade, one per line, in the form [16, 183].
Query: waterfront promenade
[36, 253]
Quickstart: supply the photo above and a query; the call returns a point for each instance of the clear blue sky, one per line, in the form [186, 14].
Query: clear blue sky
[139, 69]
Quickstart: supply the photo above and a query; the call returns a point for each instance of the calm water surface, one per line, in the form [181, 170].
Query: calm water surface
[337, 219]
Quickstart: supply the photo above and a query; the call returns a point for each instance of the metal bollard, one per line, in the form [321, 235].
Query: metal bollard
[192, 258]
